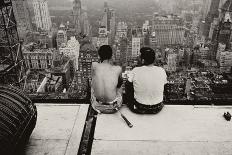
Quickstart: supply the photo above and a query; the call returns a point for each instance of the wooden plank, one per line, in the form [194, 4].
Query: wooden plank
[75, 138]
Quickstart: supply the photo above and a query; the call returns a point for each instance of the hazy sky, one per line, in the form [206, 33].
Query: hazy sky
[98, 4]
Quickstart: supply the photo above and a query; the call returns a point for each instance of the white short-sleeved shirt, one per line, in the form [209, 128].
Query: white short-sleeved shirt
[148, 82]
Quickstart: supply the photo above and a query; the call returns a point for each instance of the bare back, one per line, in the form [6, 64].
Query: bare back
[105, 80]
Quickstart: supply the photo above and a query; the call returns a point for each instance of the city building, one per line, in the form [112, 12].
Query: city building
[121, 30]
[123, 51]
[221, 48]
[206, 7]
[211, 14]
[62, 67]
[203, 53]
[86, 24]
[79, 87]
[153, 40]
[71, 50]
[169, 30]
[171, 62]
[213, 27]
[225, 61]
[22, 17]
[61, 38]
[109, 21]
[224, 35]
[34, 80]
[103, 38]
[42, 16]
[80, 25]
[38, 58]
[146, 27]
[136, 45]
[77, 16]
[88, 54]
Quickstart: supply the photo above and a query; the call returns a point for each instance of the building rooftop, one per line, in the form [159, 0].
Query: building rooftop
[177, 129]
[58, 129]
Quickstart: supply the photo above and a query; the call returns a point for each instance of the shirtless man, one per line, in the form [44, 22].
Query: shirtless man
[106, 84]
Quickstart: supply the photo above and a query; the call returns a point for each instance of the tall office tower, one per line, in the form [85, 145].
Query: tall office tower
[86, 25]
[42, 16]
[169, 30]
[88, 54]
[129, 49]
[172, 62]
[225, 61]
[136, 42]
[222, 2]
[146, 27]
[106, 20]
[123, 50]
[72, 51]
[153, 40]
[109, 21]
[206, 7]
[112, 25]
[213, 13]
[225, 17]
[61, 38]
[121, 30]
[102, 38]
[21, 12]
[77, 15]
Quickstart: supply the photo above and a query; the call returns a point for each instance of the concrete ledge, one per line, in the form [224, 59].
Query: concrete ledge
[58, 130]
[179, 129]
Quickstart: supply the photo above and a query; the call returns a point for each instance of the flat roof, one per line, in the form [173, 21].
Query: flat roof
[177, 129]
[58, 129]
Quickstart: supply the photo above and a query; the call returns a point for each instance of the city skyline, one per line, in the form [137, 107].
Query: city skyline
[62, 47]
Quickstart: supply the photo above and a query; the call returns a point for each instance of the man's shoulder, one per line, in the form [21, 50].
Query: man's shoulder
[94, 64]
[117, 68]
[137, 68]
[159, 68]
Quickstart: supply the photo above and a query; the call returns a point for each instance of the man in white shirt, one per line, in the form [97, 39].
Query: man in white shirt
[145, 85]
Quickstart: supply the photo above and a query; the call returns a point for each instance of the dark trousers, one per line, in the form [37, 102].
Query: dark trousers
[137, 107]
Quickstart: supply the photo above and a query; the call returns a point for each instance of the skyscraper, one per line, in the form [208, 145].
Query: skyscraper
[225, 23]
[61, 38]
[169, 30]
[72, 51]
[77, 15]
[42, 16]
[136, 42]
[88, 54]
[102, 37]
[213, 13]
[109, 21]
[22, 17]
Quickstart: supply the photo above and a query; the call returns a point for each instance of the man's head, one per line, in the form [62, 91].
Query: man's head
[147, 56]
[105, 52]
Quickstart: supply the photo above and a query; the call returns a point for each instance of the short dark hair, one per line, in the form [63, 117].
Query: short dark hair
[105, 52]
[148, 54]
